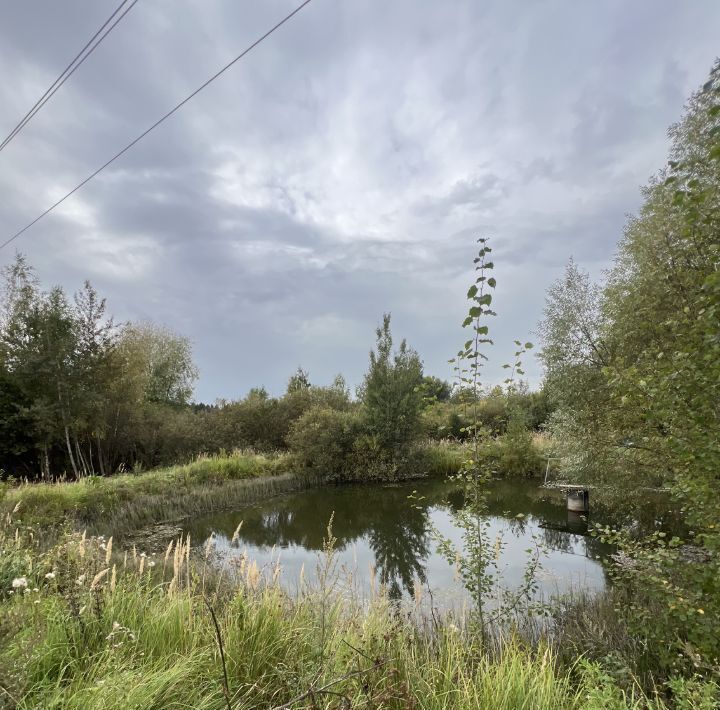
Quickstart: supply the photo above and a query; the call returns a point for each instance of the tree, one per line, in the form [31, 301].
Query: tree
[298, 382]
[639, 390]
[435, 389]
[165, 360]
[392, 392]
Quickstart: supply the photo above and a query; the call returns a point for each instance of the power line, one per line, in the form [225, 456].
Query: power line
[69, 70]
[158, 122]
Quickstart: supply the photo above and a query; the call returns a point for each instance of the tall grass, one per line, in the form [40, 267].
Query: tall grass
[122, 502]
[443, 457]
[89, 627]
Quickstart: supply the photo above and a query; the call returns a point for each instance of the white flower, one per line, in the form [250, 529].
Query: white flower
[35, 589]
[79, 581]
[50, 575]
[116, 626]
[19, 582]
[151, 564]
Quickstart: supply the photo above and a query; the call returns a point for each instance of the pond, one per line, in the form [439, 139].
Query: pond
[384, 537]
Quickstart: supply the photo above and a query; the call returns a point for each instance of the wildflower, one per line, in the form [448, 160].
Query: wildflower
[151, 563]
[35, 589]
[26, 591]
[116, 626]
[19, 583]
[50, 575]
[80, 580]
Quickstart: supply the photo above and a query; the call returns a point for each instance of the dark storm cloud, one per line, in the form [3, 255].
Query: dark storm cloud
[343, 169]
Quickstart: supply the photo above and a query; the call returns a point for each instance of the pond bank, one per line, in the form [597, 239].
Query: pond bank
[118, 504]
[126, 502]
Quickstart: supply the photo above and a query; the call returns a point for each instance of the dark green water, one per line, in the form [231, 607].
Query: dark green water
[377, 527]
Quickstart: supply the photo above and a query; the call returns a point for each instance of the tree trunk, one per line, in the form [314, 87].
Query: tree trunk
[81, 459]
[70, 453]
[67, 430]
[90, 456]
[101, 463]
[45, 463]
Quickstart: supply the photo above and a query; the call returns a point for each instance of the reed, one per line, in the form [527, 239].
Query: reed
[168, 635]
[124, 502]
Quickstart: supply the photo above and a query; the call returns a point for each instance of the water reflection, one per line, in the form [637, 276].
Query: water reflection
[378, 526]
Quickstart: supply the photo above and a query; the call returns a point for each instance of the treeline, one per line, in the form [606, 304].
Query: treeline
[633, 369]
[82, 395]
[79, 393]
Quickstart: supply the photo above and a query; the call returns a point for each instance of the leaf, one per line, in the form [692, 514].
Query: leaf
[492, 282]
[472, 291]
[475, 311]
[485, 299]
[467, 321]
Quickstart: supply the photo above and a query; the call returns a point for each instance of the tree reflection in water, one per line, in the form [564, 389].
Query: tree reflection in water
[377, 525]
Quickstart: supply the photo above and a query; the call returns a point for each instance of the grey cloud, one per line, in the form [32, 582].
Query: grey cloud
[343, 169]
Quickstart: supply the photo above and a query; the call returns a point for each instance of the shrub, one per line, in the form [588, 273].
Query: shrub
[321, 440]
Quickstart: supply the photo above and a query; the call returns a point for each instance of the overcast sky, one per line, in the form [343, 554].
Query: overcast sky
[342, 169]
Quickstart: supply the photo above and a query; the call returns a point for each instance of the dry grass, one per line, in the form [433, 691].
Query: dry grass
[91, 627]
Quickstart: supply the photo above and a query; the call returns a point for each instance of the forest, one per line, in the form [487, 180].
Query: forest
[81, 396]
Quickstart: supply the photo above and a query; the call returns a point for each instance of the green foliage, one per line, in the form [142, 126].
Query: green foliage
[477, 559]
[299, 381]
[163, 360]
[391, 393]
[635, 369]
[107, 630]
[322, 440]
[435, 390]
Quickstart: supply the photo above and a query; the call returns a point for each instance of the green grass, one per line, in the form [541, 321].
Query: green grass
[123, 502]
[443, 458]
[506, 458]
[144, 637]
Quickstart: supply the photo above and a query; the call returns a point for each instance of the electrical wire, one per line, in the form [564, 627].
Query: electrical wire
[69, 70]
[157, 123]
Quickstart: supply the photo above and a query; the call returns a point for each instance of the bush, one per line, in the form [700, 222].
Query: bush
[321, 440]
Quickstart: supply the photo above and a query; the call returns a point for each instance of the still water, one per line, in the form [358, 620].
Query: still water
[384, 537]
